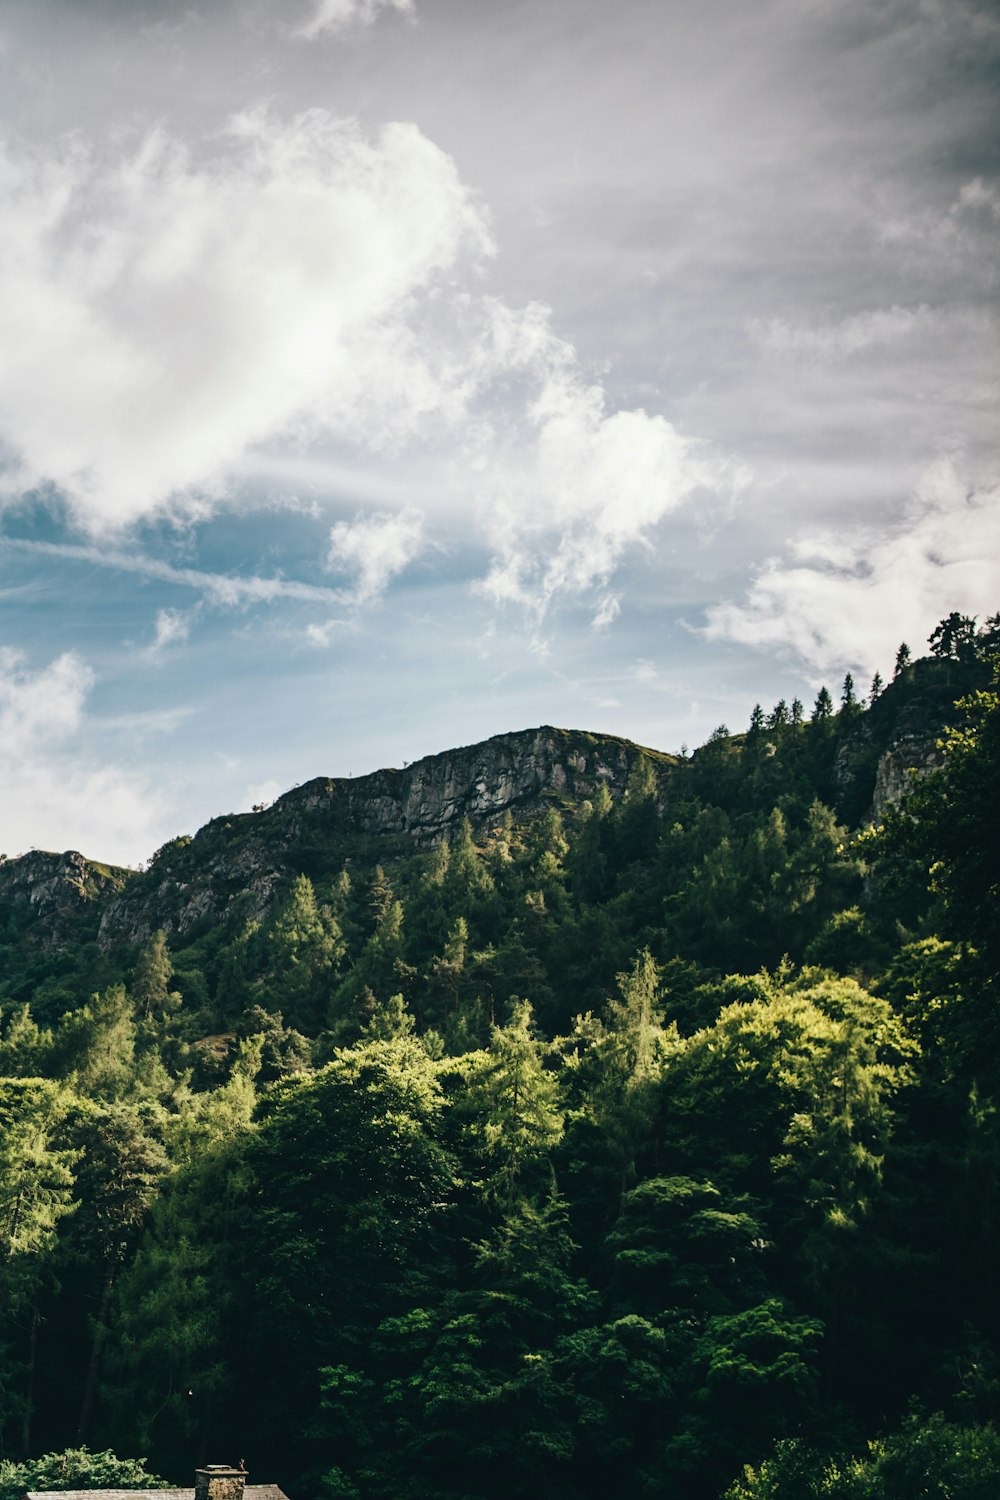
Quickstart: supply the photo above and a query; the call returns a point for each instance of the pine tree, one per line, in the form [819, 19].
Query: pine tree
[522, 1121]
[304, 948]
[151, 978]
[823, 707]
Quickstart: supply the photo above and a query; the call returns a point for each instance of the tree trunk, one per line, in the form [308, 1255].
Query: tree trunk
[29, 1392]
[90, 1389]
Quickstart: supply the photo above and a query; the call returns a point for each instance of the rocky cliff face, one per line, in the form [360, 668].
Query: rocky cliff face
[875, 763]
[52, 896]
[235, 864]
[913, 750]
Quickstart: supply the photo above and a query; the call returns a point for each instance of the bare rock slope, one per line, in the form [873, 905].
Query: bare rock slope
[236, 863]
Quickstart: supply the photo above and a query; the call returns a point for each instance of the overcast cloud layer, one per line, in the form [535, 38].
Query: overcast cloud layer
[381, 375]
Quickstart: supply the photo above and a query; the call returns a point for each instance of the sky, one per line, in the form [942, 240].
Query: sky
[380, 375]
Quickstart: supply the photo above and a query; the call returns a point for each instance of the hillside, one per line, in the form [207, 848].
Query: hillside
[549, 1114]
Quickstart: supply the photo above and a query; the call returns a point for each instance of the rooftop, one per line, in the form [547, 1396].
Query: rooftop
[181, 1492]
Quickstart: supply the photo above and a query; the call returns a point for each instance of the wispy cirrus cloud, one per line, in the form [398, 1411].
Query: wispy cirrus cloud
[842, 338]
[225, 589]
[336, 15]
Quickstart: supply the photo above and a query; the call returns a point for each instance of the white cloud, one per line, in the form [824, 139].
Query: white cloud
[839, 340]
[848, 601]
[161, 315]
[335, 15]
[57, 795]
[608, 609]
[228, 590]
[375, 548]
[172, 627]
[167, 316]
[958, 240]
[577, 485]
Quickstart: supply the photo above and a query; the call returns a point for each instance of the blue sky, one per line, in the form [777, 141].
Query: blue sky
[378, 376]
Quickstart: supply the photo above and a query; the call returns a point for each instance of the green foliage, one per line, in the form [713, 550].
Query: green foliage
[927, 1459]
[597, 1151]
[76, 1469]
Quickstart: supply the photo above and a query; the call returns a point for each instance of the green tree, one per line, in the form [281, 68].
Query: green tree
[471, 1389]
[176, 1307]
[304, 947]
[520, 1117]
[95, 1045]
[36, 1194]
[75, 1469]
[823, 707]
[151, 979]
[954, 639]
[121, 1162]
[927, 1456]
[25, 1047]
[351, 1185]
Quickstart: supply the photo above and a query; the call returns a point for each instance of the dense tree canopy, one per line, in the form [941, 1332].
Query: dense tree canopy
[643, 1147]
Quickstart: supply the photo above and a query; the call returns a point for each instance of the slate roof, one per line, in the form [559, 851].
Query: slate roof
[251, 1492]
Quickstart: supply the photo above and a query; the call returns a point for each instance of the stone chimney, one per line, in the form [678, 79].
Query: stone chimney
[219, 1482]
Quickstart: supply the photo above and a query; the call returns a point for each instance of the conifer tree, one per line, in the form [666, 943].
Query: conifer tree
[522, 1118]
[151, 978]
[823, 707]
[304, 948]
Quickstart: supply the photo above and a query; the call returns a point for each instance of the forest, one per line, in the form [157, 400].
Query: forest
[644, 1146]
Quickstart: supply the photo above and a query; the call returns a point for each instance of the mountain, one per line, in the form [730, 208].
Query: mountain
[239, 860]
[487, 1116]
[234, 864]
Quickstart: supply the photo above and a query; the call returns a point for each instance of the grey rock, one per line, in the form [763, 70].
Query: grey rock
[48, 895]
[244, 858]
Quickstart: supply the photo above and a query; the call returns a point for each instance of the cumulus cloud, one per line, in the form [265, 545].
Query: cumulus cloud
[165, 314]
[846, 601]
[582, 484]
[336, 15]
[375, 548]
[56, 796]
[161, 314]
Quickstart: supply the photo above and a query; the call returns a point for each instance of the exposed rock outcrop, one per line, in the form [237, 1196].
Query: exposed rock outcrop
[912, 751]
[236, 863]
[51, 895]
